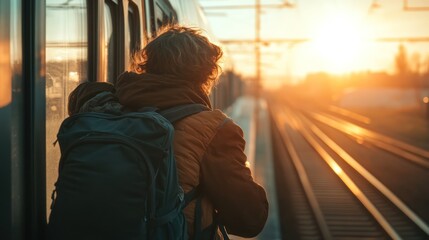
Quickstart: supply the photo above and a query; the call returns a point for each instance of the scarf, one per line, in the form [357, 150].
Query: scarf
[135, 91]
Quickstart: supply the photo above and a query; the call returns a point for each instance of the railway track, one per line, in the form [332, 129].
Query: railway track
[406, 151]
[331, 190]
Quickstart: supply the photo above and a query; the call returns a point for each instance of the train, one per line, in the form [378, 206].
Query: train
[48, 47]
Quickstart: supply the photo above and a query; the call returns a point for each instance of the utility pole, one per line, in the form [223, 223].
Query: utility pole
[257, 41]
[257, 49]
[257, 84]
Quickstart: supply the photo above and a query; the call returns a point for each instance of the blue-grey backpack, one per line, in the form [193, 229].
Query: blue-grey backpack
[118, 178]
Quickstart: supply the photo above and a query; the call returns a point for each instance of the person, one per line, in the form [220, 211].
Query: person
[180, 66]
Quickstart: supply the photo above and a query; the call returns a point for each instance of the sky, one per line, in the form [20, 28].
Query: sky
[341, 36]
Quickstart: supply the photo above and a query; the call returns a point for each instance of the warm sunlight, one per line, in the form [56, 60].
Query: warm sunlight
[5, 82]
[338, 42]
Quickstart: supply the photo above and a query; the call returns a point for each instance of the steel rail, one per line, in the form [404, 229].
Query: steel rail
[402, 149]
[305, 182]
[359, 194]
[384, 138]
[349, 114]
[369, 177]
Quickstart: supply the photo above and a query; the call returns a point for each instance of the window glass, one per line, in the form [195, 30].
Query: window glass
[17, 86]
[130, 32]
[133, 30]
[5, 49]
[109, 36]
[66, 67]
[11, 118]
[161, 18]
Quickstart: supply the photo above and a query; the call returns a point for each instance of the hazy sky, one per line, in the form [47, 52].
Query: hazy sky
[342, 34]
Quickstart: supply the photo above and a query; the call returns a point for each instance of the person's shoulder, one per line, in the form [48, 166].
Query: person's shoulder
[221, 121]
[212, 114]
[216, 117]
[213, 119]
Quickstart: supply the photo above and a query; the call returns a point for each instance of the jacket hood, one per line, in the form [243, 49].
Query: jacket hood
[135, 91]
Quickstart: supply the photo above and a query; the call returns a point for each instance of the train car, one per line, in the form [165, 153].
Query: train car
[46, 49]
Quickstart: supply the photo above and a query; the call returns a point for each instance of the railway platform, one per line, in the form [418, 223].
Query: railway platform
[257, 133]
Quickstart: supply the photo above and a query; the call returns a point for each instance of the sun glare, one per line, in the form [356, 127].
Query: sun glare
[338, 43]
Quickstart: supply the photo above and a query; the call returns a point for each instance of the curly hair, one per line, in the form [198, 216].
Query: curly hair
[183, 52]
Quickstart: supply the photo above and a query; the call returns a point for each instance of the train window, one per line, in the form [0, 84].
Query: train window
[110, 20]
[133, 29]
[161, 18]
[161, 13]
[66, 65]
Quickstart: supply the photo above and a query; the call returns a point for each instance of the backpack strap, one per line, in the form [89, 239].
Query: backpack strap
[191, 195]
[209, 232]
[176, 113]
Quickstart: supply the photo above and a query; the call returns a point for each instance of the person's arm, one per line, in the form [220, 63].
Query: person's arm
[241, 203]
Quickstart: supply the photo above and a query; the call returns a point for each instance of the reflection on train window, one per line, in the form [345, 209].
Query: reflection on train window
[161, 18]
[110, 20]
[11, 65]
[66, 66]
[133, 29]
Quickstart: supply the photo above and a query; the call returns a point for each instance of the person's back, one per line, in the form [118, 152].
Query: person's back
[117, 173]
[179, 67]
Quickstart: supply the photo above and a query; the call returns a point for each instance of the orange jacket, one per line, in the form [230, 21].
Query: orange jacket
[209, 150]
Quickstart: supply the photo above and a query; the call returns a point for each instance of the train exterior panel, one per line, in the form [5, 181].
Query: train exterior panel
[47, 48]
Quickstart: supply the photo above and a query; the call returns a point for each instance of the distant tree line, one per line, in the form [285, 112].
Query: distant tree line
[409, 72]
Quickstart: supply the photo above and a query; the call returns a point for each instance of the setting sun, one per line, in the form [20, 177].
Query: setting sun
[338, 42]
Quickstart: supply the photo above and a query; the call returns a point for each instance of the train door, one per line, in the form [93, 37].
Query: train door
[90, 41]
[85, 41]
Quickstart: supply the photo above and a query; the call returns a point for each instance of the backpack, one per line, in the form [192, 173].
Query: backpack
[117, 177]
